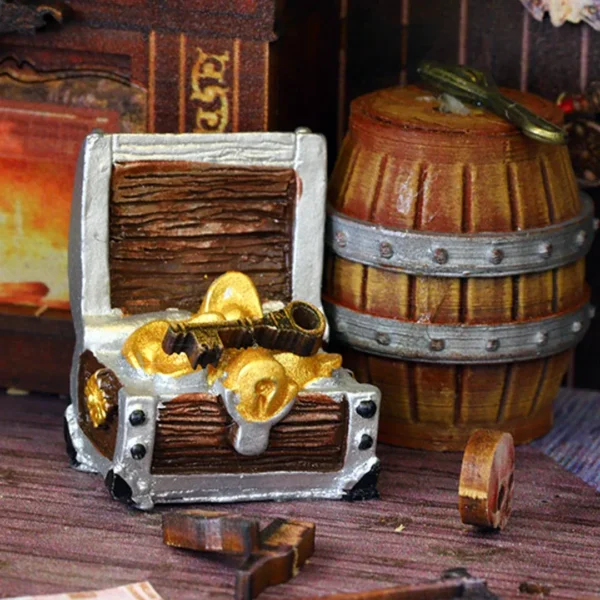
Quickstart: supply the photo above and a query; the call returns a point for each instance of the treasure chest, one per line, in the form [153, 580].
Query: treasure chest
[159, 224]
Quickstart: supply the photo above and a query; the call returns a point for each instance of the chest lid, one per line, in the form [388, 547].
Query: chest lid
[157, 218]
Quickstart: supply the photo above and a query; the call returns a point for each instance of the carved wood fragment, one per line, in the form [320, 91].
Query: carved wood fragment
[487, 479]
[210, 531]
[270, 556]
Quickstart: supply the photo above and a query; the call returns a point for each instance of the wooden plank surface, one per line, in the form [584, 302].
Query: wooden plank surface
[192, 436]
[175, 227]
[59, 531]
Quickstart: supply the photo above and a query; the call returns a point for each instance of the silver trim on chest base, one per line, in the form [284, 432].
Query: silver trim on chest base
[148, 488]
[462, 254]
[406, 340]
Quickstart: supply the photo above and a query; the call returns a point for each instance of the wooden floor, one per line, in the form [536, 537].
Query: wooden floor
[59, 531]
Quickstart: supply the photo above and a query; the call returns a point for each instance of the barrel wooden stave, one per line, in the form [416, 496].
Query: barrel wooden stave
[389, 176]
[429, 407]
[453, 397]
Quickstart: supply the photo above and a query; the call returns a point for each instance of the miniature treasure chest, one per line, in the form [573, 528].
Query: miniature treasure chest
[195, 276]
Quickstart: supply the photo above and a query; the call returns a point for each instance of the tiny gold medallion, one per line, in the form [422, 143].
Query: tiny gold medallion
[97, 404]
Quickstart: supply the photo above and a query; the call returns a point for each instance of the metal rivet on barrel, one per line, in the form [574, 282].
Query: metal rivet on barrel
[577, 327]
[366, 409]
[366, 441]
[541, 338]
[341, 239]
[138, 451]
[437, 345]
[492, 345]
[545, 250]
[496, 256]
[440, 256]
[581, 237]
[137, 417]
[386, 250]
[382, 338]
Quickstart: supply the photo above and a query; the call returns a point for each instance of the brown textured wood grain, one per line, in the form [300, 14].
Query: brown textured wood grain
[406, 166]
[192, 436]
[175, 227]
[269, 556]
[223, 533]
[103, 437]
[486, 483]
[59, 529]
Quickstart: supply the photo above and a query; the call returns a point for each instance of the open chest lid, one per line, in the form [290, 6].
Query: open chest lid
[156, 218]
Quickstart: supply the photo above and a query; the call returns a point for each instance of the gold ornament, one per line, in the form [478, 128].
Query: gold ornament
[230, 297]
[96, 402]
[143, 350]
[266, 381]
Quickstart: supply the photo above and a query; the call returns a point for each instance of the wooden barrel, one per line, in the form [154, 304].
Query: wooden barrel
[455, 274]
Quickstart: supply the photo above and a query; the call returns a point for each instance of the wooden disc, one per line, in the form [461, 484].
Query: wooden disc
[486, 479]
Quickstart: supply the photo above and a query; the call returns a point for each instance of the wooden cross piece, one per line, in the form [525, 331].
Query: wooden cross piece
[268, 556]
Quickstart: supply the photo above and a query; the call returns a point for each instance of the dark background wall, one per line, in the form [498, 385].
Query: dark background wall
[384, 40]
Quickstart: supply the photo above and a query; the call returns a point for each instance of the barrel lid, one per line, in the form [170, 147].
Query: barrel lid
[417, 108]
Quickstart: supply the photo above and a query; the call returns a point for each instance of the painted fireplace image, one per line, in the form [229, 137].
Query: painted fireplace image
[43, 121]
[37, 167]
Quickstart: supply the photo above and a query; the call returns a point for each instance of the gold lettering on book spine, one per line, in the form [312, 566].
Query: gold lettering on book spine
[209, 91]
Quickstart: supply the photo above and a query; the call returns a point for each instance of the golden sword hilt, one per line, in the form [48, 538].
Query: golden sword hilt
[297, 328]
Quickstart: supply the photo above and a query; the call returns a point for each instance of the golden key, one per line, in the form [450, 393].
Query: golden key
[473, 86]
[296, 328]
